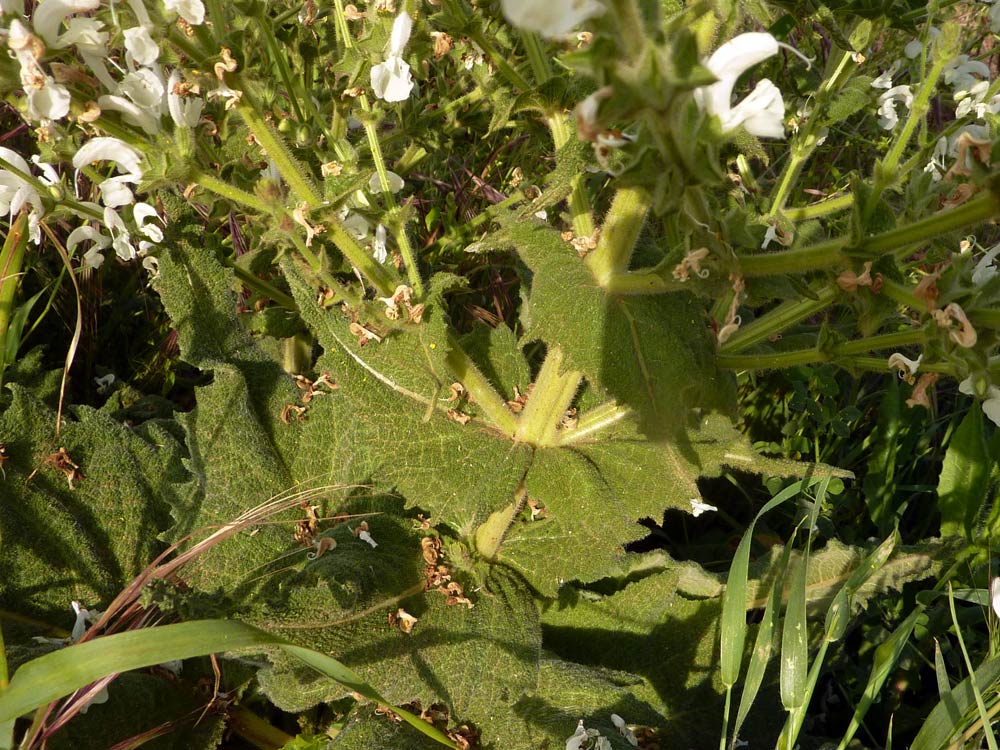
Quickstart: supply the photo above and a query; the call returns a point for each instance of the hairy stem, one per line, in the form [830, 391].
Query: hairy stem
[619, 233]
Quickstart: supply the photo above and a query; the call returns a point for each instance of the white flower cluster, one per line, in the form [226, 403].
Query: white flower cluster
[142, 92]
[969, 80]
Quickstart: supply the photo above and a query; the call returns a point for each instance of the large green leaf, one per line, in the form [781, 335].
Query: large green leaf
[965, 476]
[477, 661]
[86, 541]
[650, 628]
[654, 353]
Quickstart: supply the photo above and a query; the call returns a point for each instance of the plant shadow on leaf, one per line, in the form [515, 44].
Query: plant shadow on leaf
[85, 542]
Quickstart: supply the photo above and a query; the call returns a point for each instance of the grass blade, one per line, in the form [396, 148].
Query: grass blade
[991, 740]
[886, 656]
[62, 672]
[763, 646]
[939, 727]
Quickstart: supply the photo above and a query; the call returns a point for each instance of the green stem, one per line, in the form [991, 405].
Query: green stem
[887, 170]
[901, 294]
[11, 265]
[821, 208]
[985, 318]
[797, 260]
[777, 320]
[550, 397]
[879, 364]
[536, 56]
[805, 141]
[474, 31]
[579, 202]
[630, 27]
[486, 397]
[278, 58]
[828, 254]
[356, 255]
[776, 360]
[619, 233]
[234, 194]
[984, 206]
[634, 283]
[263, 288]
[405, 249]
[340, 23]
[299, 183]
[594, 421]
[255, 730]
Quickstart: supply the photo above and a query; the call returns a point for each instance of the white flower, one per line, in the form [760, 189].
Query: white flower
[905, 364]
[991, 400]
[698, 507]
[887, 117]
[355, 224]
[93, 257]
[114, 192]
[379, 249]
[86, 35]
[140, 45]
[391, 80]
[578, 737]
[364, 536]
[46, 99]
[884, 81]
[550, 18]
[143, 214]
[121, 238]
[127, 158]
[184, 111]
[192, 11]
[975, 100]
[16, 193]
[395, 182]
[104, 383]
[985, 270]
[936, 165]
[995, 596]
[763, 111]
[50, 14]
[624, 730]
[915, 47]
[994, 16]
[963, 73]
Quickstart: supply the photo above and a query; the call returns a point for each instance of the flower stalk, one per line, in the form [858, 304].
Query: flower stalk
[550, 397]
[579, 201]
[776, 360]
[777, 320]
[486, 397]
[621, 228]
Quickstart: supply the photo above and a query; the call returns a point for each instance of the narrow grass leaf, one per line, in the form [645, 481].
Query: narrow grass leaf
[62, 672]
[763, 646]
[984, 716]
[734, 601]
[795, 642]
[944, 685]
[795, 634]
[886, 656]
[940, 726]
